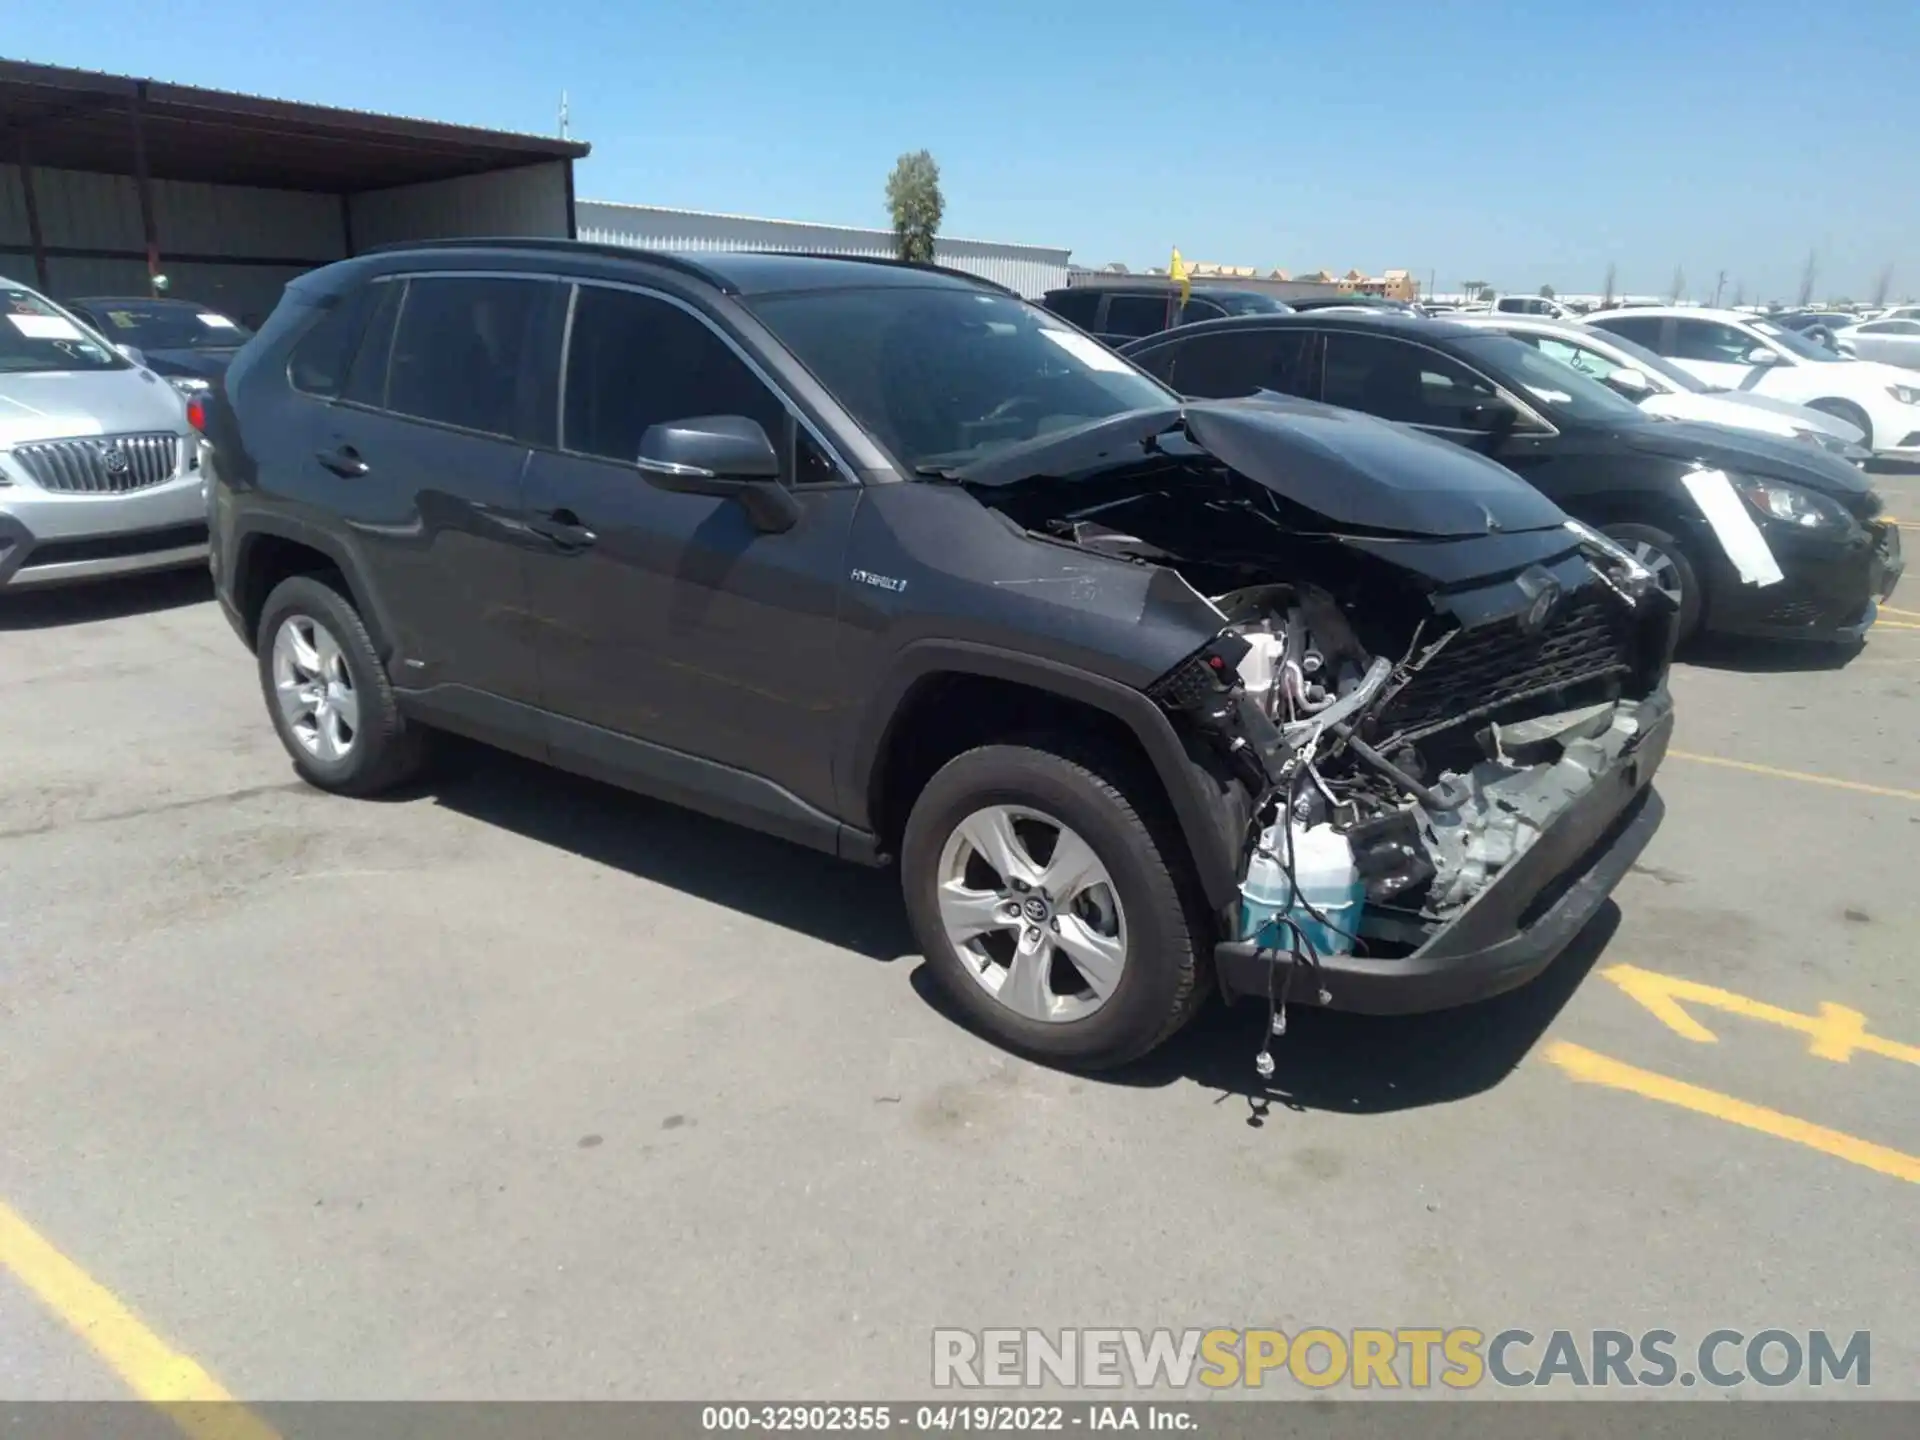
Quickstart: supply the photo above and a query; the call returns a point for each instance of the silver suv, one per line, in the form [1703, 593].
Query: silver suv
[99, 469]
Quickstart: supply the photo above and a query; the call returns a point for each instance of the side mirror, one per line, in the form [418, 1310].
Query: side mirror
[1492, 417]
[127, 352]
[1630, 383]
[723, 455]
[1759, 355]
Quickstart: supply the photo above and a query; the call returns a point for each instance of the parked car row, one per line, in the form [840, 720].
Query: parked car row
[1800, 553]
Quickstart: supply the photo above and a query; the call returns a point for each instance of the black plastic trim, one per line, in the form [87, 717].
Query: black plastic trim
[1210, 834]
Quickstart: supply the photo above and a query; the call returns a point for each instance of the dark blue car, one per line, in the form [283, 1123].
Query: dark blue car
[189, 344]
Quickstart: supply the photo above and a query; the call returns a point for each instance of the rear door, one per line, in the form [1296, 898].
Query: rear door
[423, 455]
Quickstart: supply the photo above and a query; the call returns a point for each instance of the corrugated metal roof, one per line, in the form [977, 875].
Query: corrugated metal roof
[79, 120]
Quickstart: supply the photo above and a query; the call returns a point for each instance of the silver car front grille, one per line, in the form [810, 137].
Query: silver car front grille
[102, 464]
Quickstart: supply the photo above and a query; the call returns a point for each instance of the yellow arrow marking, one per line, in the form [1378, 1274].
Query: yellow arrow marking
[1834, 1034]
[1597, 1069]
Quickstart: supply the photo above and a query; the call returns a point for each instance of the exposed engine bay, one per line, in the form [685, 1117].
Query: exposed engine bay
[1437, 695]
[1434, 802]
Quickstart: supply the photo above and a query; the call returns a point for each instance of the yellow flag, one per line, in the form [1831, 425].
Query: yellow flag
[1177, 271]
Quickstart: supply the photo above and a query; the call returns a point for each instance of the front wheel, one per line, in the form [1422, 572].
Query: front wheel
[1674, 574]
[1048, 907]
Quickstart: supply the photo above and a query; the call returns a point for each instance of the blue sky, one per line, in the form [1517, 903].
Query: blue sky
[1515, 143]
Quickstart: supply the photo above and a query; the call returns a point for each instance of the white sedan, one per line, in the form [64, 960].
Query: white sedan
[1895, 341]
[1753, 355]
[1660, 387]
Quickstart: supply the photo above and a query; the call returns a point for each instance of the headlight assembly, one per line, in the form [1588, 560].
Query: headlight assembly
[1790, 504]
[1905, 394]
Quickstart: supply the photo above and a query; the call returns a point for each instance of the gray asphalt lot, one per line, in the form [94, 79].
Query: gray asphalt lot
[518, 1086]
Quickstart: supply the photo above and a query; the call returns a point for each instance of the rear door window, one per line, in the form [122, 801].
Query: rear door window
[464, 349]
[1400, 381]
[1136, 315]
[1076, 307]
[1228, 364]
[1647, 330]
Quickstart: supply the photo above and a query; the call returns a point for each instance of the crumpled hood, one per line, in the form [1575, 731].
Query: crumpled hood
[1357, 471]
[1717, 447]
[54, 405]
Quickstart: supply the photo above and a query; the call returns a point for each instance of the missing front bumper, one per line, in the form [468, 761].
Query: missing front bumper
[1515, 927]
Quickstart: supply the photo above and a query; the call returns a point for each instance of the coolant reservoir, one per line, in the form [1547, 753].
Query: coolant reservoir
[1323, 863]
[1262, 660]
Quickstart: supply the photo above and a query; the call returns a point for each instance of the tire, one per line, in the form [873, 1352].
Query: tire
[1137, 902]
[360, 744]
[1846, 410]
[1661, 551]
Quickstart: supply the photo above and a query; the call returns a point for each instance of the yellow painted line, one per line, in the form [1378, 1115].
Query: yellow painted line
[1894, 625]
[1835, 1032]
[1896, 610]
[1777, 773]
[191, 1398]
[1596, 1069]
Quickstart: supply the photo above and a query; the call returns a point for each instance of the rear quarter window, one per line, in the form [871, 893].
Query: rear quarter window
[322, 356]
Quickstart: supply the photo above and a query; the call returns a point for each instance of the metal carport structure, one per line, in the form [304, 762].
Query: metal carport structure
[107, 181]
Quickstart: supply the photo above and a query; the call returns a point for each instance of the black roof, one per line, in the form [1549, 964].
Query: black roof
[739, 272]
[1384, 322]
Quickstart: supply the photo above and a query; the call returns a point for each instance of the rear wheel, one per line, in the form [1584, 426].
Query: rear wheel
[327, 692]
[1048, 907]
[1846, 410]
[1673, 572]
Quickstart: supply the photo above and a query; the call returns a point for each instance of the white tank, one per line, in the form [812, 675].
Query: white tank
[1323, 863]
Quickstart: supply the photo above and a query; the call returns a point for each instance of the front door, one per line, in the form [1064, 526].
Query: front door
[669, 618]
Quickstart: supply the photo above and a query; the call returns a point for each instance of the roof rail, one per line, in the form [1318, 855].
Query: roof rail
[925, 265]
[664, 258]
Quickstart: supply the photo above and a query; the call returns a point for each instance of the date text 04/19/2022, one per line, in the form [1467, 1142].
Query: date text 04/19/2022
[944, 1419]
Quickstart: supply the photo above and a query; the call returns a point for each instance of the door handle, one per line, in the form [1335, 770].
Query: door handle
[344, 461]
[563, 528]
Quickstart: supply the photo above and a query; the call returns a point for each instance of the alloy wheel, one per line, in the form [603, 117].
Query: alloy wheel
[314, 688]
[1032, 912]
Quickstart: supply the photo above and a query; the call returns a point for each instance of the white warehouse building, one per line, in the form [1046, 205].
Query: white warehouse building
[1029, 269]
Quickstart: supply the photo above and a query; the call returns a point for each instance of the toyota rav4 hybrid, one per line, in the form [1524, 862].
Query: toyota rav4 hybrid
[886, 561]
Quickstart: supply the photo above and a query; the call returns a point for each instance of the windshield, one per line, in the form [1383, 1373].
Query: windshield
[37, 336]
[150, 325]
[942, 377]
[1248, 304]
[1563, 392]
[1794, 342]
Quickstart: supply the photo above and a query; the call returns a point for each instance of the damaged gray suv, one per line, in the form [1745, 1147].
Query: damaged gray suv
[1148, 699]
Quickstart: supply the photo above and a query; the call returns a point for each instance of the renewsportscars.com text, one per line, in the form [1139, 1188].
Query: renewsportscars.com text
[1460, 1358]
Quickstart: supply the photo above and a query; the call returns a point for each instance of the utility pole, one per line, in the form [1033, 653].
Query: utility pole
[1718, 286]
